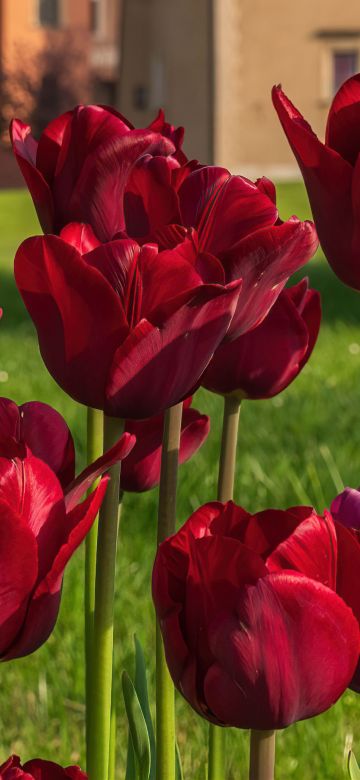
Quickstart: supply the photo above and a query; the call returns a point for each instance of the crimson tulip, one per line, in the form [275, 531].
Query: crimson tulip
[141, 469]
[255, 635]
[79, 168]
[331, 175]
[124, 328]
[41, 429]
[261, 363]
[91, 166]
[42, 523]
[38, 769]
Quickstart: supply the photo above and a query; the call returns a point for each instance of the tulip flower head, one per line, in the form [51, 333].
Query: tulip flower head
[141, 469]
[330, 173]
[38, 769]
[263, 362]
[255, 635]
[42, 523]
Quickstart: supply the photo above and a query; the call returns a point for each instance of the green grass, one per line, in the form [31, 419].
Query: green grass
[296, 448]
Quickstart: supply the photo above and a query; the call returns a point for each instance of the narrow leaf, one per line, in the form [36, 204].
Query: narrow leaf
[178, 764]
[353, 768]
[141, 688]
[138, 728]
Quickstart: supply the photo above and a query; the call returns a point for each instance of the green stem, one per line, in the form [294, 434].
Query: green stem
[112, 754]
[94, 450]
[217, 736]
[165, 698]
[98, 746]
[262, 755]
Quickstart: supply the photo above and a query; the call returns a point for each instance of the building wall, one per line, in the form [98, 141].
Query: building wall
[259, 44]
[166, 62]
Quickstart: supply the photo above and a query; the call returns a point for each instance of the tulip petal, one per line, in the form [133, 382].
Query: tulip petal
[328, 180]
[264, 361]
[169, 358]
[45, 431]
[80, 236]
[10, 444]
[61, 292]
[24, 147]
[342, 130]
[44, 605]
[302, 669]
[345, 508]
[49, 145]
[264, 261]
[210, 196]
[141, 469]
[83, 482]
[18, 571]
[150, 200]
[48, 770]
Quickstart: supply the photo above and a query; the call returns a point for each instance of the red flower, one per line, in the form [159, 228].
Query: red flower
[41, 429]
[121, 327]
[331, 175]
[255, 636]
[38, 769]
[141, 469]
[79, 168]
[41, 523]
[261, 363]
[236, 221]
[91, 166]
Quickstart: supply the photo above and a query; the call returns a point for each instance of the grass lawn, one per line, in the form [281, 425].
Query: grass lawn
[300, 447]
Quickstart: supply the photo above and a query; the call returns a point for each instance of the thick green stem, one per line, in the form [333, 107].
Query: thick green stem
[262, 755]
[98, 745]
[94, 450]
[217, 736]
[165, 699]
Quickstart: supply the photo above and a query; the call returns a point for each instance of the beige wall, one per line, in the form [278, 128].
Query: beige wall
[261, 43]
[167, 54]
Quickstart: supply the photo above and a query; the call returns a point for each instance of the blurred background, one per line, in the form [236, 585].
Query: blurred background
[210, 63]
[211, 66]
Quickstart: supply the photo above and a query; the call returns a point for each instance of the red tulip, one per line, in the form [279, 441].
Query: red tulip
[42, 524]
[121, 327]
[79, 168]
[331, 175]
[236, 221]
[38, 769]
[255, 636]
[40, 428]
[261, 363]
[141, 469]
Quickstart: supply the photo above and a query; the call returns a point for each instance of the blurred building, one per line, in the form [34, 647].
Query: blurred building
[212, 63]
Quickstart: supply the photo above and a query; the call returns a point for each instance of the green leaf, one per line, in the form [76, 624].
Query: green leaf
[353, 767]
[137, 727]
[178, 765]
[141, 688]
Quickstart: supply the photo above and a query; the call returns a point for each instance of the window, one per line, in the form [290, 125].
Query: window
[94, 16]
[345, 64]
[49, 13]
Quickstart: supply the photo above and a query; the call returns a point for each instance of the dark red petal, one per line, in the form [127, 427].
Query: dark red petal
[263, 362]
[83, 482]
[46, 433]
[18, 571]
[264, 261]
[44, 770]
[210, 197]
[345, 508]
[10, 445]
[289, 654]
[342, 130]
[80, 236]
[141, 469]
[311, 549]
[44, 605]
[169, 359]
[150, 201]
[49, 146]
[24, 148]
[328, 179]
[78, 316]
